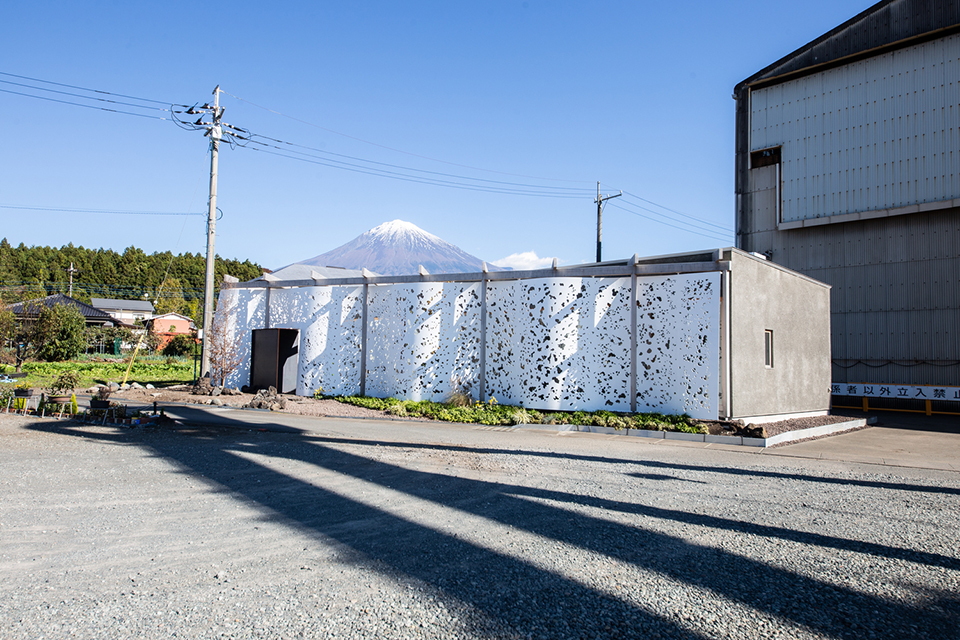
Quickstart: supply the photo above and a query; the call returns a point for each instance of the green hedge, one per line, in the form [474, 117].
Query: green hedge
[492, 413]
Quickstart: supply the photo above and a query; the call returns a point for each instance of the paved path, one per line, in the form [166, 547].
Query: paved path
[899, 440]
[284, 527]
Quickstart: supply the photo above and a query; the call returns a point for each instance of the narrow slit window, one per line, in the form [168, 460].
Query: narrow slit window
[768, 348]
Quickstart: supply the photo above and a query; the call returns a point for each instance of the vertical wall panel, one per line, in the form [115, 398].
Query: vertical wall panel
[875, 134]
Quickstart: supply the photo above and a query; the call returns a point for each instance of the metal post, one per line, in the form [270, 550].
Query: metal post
[726, 362]
[483, 335]
[363, 344]
[215, 133]
[633, 335]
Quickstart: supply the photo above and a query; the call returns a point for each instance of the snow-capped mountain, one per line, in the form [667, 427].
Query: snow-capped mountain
[399, 248]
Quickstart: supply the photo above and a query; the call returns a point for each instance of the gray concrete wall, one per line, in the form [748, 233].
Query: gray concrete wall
[765, 296]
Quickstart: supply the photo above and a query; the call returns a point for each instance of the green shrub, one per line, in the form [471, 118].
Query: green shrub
[181, 345]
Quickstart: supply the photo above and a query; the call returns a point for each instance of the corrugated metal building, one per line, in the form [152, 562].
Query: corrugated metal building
[848, 171]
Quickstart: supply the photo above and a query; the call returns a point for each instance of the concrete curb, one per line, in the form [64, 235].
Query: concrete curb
[801, 434]
[789, 436]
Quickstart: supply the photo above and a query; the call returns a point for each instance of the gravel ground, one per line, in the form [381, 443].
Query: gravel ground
[368, 529]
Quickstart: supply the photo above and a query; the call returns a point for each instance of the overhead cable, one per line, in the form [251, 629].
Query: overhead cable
[104, 211]
[88, 106]
[679, 213]
[71, 86]
[415, 155]
[83, 97]
[581, 190]
[417, 179]
[704, 233]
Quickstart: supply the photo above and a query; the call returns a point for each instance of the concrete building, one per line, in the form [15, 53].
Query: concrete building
[848, 171]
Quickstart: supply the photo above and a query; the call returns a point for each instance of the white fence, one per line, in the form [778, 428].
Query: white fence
[622, 343]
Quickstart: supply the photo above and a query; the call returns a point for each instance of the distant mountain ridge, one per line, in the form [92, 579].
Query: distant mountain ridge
[399, 248]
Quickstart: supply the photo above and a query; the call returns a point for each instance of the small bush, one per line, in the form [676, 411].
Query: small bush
[181, 345]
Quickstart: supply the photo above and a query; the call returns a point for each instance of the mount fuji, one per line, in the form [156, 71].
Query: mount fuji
[399, 248]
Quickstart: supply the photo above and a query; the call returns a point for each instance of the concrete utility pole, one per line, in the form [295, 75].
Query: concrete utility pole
[215, 132]
[600, 200]
[71, 271]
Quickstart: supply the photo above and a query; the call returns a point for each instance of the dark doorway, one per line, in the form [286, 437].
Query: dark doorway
[275, 359]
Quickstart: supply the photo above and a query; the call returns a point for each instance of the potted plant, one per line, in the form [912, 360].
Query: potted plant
[62, 388]
[102, 401]
[22, 391]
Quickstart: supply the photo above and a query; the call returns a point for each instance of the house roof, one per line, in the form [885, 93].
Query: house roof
[122, 305]
[172, 315]
[890, 24]
[31, 308]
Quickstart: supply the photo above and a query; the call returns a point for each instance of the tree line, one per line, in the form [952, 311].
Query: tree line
[34, 272]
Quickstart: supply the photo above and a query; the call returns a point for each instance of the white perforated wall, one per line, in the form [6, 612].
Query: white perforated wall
[423, 340]
[246, 310]
[551, 343]
[559, 343]
[678, 344]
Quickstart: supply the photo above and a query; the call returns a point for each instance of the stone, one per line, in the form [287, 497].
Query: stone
[150, 386]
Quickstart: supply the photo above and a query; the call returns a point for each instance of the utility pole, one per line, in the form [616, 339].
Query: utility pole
[600, 200]
[215, 132]
[214, 128]
[71, 271]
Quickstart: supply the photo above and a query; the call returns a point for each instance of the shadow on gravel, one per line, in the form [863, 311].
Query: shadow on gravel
[653, 464]
[759, 473]
[512, 593]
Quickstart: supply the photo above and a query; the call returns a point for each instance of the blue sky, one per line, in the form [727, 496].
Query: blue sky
[557, 95]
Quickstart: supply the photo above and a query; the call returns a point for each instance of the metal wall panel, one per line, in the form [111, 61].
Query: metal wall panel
[894, 299]
[879, 127]
[871, 135]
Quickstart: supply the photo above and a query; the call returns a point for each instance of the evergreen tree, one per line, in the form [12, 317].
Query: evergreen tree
[58, 333]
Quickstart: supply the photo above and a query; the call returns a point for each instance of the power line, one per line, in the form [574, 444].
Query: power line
[408, 178]
[415, 155]
[704, 233]
[581, 190]
[103, 211]
[679, 213]
[83, 97]
[88, 106]
[71, 86]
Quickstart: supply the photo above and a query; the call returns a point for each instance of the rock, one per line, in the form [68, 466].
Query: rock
[136, 385]
[266, 399]
[217, 402]
[150, 386]
[155, 395]
[124, 387]
[216, 391]
[113, 386]
[203, 387]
